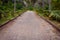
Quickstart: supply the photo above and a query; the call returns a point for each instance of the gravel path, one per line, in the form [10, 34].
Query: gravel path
[28, 27]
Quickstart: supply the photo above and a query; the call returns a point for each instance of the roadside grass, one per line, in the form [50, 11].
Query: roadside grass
[10, 16]
[53, 17]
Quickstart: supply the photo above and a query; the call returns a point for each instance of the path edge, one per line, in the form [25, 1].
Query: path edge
[47, 20]
[10, 20]
[50, 22]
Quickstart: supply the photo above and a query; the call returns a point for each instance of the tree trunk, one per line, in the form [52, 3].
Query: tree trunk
[0, 15]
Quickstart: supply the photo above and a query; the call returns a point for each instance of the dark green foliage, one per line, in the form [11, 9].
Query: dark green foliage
[56, 4]
[19, 6]
[30, 8]
[7, 10]
[55, 15]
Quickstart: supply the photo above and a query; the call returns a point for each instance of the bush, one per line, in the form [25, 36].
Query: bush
[55, 15]
[19, 6]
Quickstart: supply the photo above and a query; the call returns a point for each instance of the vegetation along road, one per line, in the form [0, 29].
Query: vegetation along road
[29, 26]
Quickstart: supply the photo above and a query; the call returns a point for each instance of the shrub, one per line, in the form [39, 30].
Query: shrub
[55, 15]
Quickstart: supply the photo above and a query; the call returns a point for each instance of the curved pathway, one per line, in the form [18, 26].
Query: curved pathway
[28, 27]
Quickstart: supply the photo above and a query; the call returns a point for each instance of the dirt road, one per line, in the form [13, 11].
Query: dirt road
[28, 27]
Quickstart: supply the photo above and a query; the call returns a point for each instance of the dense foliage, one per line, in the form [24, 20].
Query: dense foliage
[7, 9]
[53, 12]
[49, 8]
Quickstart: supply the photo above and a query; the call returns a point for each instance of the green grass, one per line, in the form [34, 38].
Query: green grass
[10, 17]
[53, 16]
[7, 11]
